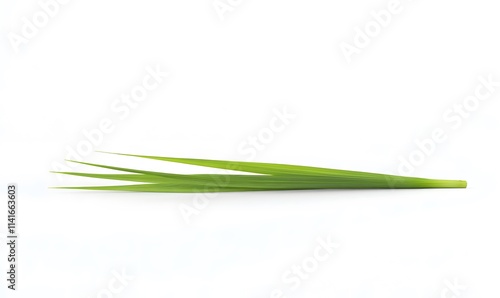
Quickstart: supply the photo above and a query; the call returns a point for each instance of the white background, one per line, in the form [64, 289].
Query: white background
[227, 78]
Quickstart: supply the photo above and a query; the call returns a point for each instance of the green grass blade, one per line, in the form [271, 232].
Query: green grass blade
[206, 187]
[124, 177]
[163, 188]
[270, 168]
[272, 177]
[274, 182]
[252, 180]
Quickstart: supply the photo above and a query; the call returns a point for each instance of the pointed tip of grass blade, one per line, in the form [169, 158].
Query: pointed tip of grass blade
[61, 172]
[115, 153]
[72, 187]
[63, 187]
[76, 161]
[106, 152]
